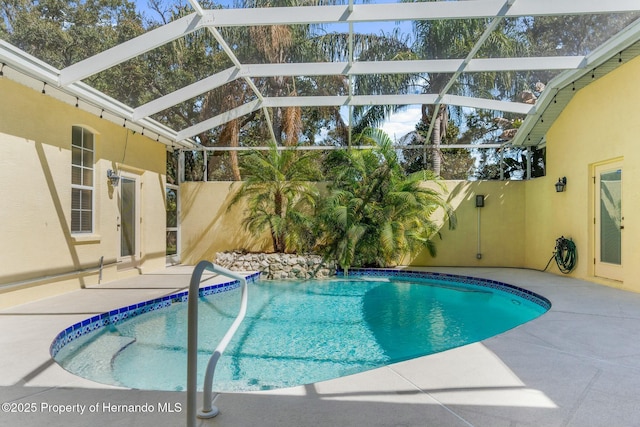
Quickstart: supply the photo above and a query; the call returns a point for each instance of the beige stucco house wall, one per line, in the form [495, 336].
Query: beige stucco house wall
[39, 255]
[601, 125]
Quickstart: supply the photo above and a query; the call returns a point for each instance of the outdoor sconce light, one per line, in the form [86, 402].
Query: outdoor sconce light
[113, 177]
[562, 182]
[479, 200]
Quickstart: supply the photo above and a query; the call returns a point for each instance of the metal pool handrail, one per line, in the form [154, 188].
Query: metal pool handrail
[208, 410]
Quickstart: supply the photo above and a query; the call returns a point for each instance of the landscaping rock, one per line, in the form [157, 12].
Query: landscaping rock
[277, 266]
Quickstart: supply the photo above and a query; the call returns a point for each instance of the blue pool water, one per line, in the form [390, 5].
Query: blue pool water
[298, 332]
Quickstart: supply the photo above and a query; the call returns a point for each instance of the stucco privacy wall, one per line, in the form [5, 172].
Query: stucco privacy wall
[35, 169]
[207, 226]
[600, 124]
[495, 231]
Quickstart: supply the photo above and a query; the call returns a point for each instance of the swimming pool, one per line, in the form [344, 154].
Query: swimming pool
[295, 332]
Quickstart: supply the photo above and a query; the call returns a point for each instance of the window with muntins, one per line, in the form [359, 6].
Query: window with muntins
[82, 156]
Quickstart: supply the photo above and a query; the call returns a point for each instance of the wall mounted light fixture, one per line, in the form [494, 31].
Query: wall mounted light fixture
[561, 184]
[113, 177]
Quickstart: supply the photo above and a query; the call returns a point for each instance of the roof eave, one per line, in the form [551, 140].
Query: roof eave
[610, 51]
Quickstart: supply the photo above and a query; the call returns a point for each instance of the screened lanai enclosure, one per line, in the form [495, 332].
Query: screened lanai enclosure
[466, 89]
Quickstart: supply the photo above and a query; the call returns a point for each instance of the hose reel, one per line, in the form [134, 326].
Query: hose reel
[565, 254]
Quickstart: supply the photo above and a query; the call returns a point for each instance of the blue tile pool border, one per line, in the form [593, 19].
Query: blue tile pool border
[116, 316]
[454, 279]
[121, 314]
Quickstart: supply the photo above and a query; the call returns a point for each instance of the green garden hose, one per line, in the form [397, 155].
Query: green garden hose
[565, 254]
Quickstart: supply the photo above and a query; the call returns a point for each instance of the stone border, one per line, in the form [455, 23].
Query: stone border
[278, 265]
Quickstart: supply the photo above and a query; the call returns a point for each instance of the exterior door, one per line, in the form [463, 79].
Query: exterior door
[609, 221]
[129, 222]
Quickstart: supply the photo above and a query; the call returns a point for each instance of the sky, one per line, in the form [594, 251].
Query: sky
[402, 122]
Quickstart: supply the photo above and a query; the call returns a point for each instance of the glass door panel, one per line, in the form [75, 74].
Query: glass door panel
[609, 221]
[129, 221]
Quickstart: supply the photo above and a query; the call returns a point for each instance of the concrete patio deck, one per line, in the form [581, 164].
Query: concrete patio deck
[577, 365]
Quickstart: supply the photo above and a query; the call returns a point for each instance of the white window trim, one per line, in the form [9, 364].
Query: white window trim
[85, 236]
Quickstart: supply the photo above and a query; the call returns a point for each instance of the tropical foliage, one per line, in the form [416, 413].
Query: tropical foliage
[455, 39]
[375, 214]
[455, 163]
[280, 197]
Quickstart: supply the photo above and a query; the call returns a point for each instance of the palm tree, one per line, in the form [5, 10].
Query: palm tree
[375, 214]
[277, 44]
[370, 47]
[406, 225]
[281, 196]
[437, 39]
